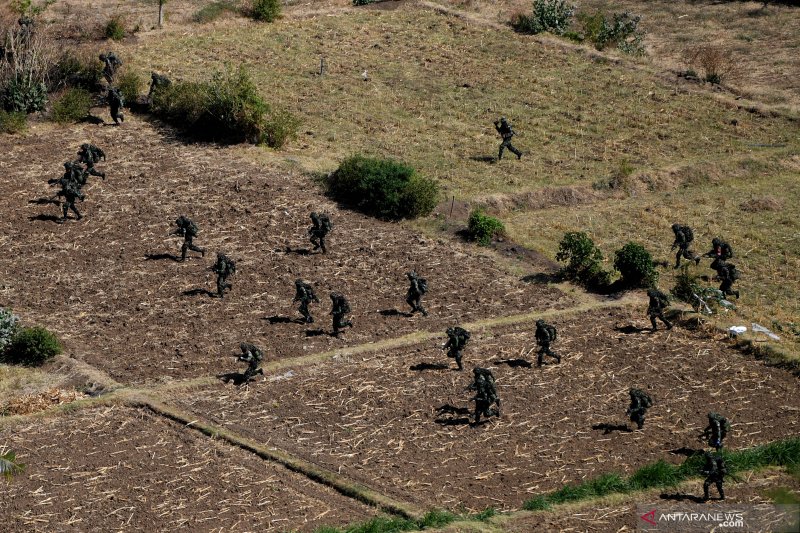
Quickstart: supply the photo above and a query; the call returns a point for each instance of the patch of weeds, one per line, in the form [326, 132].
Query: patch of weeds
[72, 106]
[115, 28]
[211, 12]
[484, 228]
[13, 122]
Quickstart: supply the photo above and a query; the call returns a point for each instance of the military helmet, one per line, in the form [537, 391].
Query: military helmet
[676, 227]
[68, 165]
[716, 241]
[540, 322]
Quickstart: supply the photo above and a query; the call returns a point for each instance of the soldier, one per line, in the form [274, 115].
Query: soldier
[340, 308]
[718, 427]
[727, 274]
[418, 287]
[721, 251]
[71, 191]
[304, 293]
[90, 154]
[321, 226]
[655, 308]
[110, 65]
[188, 230]
[640, 402]
[545, 334]
[157, 81]
[223, 268]
[683, 238]
[457, 339]
[715, 472]
[73, 173]
[506, 132]
[485, 394]
[252, 355]
[115, 103]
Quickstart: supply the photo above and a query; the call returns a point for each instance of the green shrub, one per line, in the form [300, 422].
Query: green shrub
[266, 10]
[279, 127]
[129, 84]
[583, 259]
[622, 31]
[32, 347]
[9, 466]
[12, 122]
[115, 28]
[383, 188]
[23, 95]
[72, 106]
[686, 286]
[484, 228]
[72, 70]
[635, 265]
[658, 474]
[548, 15]
[213, 11]
[8, 327]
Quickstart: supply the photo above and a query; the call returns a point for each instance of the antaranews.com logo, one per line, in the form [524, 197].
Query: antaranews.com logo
[719, 517]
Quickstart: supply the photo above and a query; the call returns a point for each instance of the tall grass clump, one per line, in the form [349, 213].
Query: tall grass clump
[13, 122]
[383, 188]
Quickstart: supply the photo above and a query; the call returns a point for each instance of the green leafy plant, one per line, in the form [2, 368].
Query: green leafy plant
[12, 122]
[8, 327]
[9, 466]
[548, 15]
[129, 84]
[115, 28]
[32, 347]
[279, 126]
[266, 10]
[383, 188]
[72, 70]
[24, 95]
[635, 265]
[73, 106]
[484, 228]
[582, 259]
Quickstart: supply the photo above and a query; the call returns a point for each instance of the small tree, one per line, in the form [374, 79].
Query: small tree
[635, 265]
[32, 347]
[583, 259]
[484, 228]
[266, 10]
[548, 15]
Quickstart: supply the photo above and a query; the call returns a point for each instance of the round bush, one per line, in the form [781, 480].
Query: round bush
[72, 106]
[32, 347]
[266, 10]
[129, 84]
[635, 265]
[383, 188]
[484, 228]
[583, 258]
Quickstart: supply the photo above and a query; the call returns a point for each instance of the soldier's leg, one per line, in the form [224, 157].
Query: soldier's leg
[638, 417]
[93, 172]
[653, 322]
[322, 244]
[64, 210]
[515, 151]
[184, 248]
[220, 287]
[540, 357]
[721, 492]
[500, 152]
[458, 360]
[410, 302]
[678, 258]
[706, 485]
[664, 320]
[304, 312]
[75, 210]
[555, 356]
[314, 241]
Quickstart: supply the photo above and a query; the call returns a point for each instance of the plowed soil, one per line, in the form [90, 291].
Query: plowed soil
[375, 418]
[110, 287]
[114, 469]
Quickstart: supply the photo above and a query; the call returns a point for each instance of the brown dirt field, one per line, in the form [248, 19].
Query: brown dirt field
[373, 418]
[126, 469]
[621, 516]
[139, 319]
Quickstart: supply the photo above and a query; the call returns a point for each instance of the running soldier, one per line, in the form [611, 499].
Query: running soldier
[304, 293]
[721, 251]
[73, 173]
[727, 274]
[717, 429]
[71, 191]
[340, 308]
[417, 288]
[655, 308]
[485, 394]
[252, 355]
[90, 154]
[640, 403]
[715, 472]
[545, 335]
[321, 226]
[457, 339]
[188, 230]
[110, 65]
[224, 268]
[157, 82]
[506, 132]
[115, 103]
[683, 238]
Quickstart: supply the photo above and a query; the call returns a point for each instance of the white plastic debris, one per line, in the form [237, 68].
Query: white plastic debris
[287, 375]
[735, 331]
[761, 329]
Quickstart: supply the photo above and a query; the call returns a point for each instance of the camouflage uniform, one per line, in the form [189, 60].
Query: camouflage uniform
[73, 173]
[655, 308]
[715, 472]
[721, 251]
[545, 334]
[321, 226]
[157, 81]
[115, 103]
[716, 430]
[340, 308]
[640, 402]
[305, 295]
[485, 394]
[223, 268]
[457, 339]
[110, 65]
[727, 274]
[90, 154]
[418, 287]
[71, 191]
[188, 230]
[252, 355]
[683, 238]
[506, 132]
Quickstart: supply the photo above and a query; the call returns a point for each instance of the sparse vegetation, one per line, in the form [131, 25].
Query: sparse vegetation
[266, 10]
[431, 519]
[9, 466]
[635, 265]
[12, 122]
[383, 188]
[32, 347]
[582, 259]
[363, 2]
[115, 28]
[484, 228]
[72, 106]
[717, 63]
[214, 10]
[553, 16]
[129, 84]
[621, 31]
[73, 70]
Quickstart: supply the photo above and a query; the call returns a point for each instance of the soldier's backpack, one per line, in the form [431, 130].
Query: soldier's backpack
[343, 305]
[422, 283]
[662, 298]
[462, 335]
[726, 250]
[732, 272]
[644, 398]
[230, 265]
[190, 227]
[325, 223]
[551, 332]
[688, 234]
